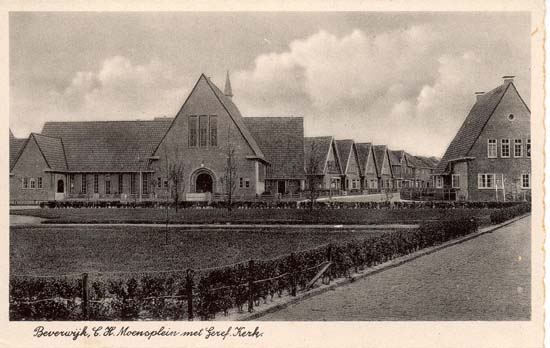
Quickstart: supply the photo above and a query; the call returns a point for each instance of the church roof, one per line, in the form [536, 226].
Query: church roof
[16, 144]
[236, 116]
[108, 146]
[281, 140]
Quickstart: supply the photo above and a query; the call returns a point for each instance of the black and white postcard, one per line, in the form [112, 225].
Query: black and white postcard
[273, 174]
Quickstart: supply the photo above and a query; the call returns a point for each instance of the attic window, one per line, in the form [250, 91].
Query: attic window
[511, 117]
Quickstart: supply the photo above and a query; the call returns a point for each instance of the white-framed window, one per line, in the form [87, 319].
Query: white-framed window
[33, 183]
[525, 181]
[192, 124]
[486, 181]
[528, 147]
[120, 183]
[492, 148]
[241, 182]
[246, 182]
[107, 186]
[505, 148]
[71, 183]
[96, 183]
[455, 181]
[83, 184]
[39, 182]
[439, 182]
[133, 183]
[25, 183]
[166, 184]
[518, 148]
[145, 183]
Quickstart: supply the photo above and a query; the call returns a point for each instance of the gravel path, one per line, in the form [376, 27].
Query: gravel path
[486, 278]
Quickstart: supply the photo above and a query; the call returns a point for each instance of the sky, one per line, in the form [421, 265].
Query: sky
[405, 79]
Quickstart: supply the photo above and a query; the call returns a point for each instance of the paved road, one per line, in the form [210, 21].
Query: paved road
[486, 278]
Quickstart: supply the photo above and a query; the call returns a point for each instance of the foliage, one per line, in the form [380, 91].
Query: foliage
[501, 215]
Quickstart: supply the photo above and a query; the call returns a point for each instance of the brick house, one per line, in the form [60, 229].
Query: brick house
[383, 167]
[322, 162]
[490, 157]
[129, 160]
[365, 154]
[347, 152]
[425, 167]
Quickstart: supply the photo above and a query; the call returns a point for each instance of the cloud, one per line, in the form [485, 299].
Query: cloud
[408, 88]
[119, 90]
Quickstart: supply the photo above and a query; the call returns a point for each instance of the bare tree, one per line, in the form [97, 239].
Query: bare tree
[229, 178]
[312, 167]
[173, 171]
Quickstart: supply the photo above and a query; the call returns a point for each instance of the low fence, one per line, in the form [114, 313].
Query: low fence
[285, 204]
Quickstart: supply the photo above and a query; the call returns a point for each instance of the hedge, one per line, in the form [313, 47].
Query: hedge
[281, 205]
[505, 214]
[164, 296]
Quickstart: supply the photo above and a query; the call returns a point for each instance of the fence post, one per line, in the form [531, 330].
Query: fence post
[250, 286]
[85, 296]
[189, 293]
[293, 275]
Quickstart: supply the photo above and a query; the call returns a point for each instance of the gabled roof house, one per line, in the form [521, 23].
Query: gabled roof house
[489, 157]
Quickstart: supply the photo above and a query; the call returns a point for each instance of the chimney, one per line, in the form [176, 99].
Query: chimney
[227, 90]
[479, 95]
[508, 79]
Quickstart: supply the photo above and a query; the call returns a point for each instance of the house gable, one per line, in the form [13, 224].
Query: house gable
[370, 167]
[353, 162]
[332, 164]
[386, 168]
[499, 126]
[31, 160]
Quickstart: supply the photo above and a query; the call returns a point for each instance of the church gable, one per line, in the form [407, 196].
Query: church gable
[205, 125]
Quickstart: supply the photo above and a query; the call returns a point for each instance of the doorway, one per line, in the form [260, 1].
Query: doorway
[204, 183]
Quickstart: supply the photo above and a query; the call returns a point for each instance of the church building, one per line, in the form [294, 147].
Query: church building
[208, 145]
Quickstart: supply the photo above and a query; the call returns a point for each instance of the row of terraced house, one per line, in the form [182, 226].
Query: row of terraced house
[135, 160]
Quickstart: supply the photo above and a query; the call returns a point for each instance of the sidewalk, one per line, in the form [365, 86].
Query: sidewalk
[367, 298]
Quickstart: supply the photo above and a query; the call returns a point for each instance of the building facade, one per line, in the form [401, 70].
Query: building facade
[198, 154]
[490, 157]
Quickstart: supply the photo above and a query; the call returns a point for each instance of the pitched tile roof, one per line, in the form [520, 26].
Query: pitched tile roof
[363, 152]
[52, 149]
[472, 127]
[281, 140]
[379, 151]
[396, 157]
[344, 147]
[235, 114]
[316, 151]
[411, 160]
[16, 144]
[427, 162]
[108, 146]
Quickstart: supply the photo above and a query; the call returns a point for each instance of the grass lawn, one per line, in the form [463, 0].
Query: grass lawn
[258, 216]
[49, 250]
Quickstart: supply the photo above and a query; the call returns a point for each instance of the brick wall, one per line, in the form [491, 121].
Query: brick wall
[175, 146]
[31, 164]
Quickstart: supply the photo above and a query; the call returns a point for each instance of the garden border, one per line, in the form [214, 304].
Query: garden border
[287, 301]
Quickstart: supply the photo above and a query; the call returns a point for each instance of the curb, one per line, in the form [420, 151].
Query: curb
[374, 270]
